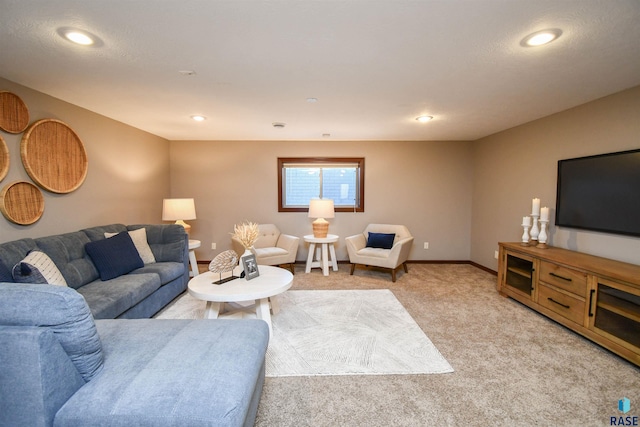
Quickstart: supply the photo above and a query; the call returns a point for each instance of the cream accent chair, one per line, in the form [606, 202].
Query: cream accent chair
[392, 258]
[272, 247]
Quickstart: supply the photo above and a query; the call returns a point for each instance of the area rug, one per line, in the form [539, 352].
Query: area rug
[339, 332]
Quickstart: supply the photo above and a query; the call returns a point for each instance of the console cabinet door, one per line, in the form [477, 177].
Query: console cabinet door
[518, 275]
[614, 313]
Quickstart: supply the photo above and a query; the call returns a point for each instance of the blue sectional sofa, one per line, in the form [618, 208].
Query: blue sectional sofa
[87, 354]
[59, 367]
[139, 293]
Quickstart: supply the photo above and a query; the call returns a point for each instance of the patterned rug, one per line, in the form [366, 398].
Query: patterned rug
[339, 332]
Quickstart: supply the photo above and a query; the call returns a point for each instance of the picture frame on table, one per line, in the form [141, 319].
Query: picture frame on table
[250, 267]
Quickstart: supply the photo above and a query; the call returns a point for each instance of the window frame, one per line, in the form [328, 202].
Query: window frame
[319, 161]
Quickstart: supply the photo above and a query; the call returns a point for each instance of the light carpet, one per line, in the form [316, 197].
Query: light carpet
[339, 332]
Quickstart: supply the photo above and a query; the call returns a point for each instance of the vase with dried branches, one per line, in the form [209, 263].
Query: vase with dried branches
[247, 234]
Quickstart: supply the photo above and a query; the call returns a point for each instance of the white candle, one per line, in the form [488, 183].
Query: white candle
[535, 209]
[544, 215]
[526, 220]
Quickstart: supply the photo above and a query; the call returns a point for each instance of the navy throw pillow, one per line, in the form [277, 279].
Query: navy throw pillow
[5, 273]
[114, 256]
[381, 240]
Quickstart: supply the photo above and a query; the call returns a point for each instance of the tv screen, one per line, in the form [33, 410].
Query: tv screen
[600, 193]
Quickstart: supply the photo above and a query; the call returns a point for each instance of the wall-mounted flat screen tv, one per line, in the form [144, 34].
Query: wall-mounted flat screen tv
[600, 193]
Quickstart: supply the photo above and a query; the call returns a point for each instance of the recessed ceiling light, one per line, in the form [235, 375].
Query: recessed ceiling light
[278, 125]
[77, 36]
[312, 100]
[198, 118]
[424, 119]
[540, 38]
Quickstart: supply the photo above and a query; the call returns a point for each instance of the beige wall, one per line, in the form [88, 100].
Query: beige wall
[127, 179]
[516, 165]
[461, 197]
[423, 185]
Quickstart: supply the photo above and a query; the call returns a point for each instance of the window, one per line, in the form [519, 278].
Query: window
[304, 178]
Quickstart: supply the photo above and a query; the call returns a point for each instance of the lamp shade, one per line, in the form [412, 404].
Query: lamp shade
[321, 208]
[178, 209]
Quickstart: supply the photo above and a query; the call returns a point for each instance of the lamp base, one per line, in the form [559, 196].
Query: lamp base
[187, 227]
[320, 228]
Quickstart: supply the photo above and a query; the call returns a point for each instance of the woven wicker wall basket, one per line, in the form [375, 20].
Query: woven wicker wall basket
[4, 159]
[21, 203]
[14, 115]
[54, 156]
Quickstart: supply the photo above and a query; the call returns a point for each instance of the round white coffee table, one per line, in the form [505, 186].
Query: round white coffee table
[321, 256]
[271, 282]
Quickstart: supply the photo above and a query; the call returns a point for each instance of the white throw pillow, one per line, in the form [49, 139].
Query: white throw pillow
[37, 267]
[139, 238]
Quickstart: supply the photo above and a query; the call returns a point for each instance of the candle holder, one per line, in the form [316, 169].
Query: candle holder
[542, 237]
[525, 235]
[534, 227]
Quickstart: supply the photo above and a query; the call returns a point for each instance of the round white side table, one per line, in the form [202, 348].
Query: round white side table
[321, 253]
[193, 245]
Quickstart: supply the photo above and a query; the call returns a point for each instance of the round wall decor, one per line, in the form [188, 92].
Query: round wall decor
[54, 156]
[21, 203]
[4, 159]
[14, 115]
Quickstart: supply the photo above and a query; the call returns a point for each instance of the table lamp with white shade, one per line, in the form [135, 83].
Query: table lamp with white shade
[321, 209]
[179, 210]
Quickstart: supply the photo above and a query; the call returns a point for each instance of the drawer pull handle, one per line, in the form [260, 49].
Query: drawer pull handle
[593, 291]
[559, 303]
[560, 277]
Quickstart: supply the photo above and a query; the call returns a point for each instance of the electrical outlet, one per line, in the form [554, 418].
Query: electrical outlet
[213, 246]
[426, 245]
[495, 254]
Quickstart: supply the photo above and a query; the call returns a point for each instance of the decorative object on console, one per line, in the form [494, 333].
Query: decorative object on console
[179, 210]
[535, 214]
[54, 156]
[4, 159]
[542, 237]
[526, 223]
[538, 236]
[14, 115]
[21, 203]
[321, 209]
[225, 261]
[544, 220]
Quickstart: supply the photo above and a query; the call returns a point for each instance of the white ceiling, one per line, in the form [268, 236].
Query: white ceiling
[374, 66]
